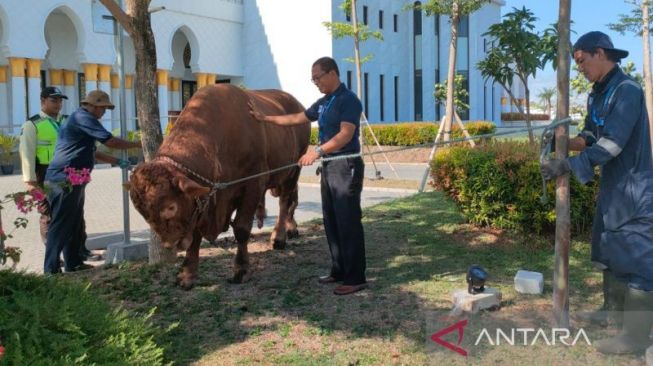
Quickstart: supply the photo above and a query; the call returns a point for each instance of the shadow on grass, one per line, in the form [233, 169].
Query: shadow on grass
[418, 251]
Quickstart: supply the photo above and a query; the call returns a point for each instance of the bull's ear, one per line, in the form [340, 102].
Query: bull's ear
[190, 187]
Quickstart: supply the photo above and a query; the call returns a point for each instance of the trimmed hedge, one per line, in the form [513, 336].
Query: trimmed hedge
[499, 185]
[54, 321]
[414, 133]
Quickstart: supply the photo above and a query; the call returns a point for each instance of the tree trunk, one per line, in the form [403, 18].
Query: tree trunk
[561, 270]
[357, 63]
[527, 94]
[136, 21]
[449, 109]
[648, 80]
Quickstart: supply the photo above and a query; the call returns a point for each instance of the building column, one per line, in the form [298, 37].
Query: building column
[56, 78]
[170, 99]
[130, 103]
[115, 99]
[162, 85]
[175, 94]
[104, 84]
[18, 108]
[210, 78]
[33, 86]
[90, 76]
[69, 89]
[200, 78]
[4, 105]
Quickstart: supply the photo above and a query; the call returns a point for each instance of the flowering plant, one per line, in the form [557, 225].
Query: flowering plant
[78, 177]
[25, 202]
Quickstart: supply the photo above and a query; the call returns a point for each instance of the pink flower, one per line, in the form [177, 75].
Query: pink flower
[22, 205]
[38, 195]
[78, 177]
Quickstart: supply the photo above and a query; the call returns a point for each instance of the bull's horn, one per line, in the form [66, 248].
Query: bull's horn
[127, 186]
[190, 187]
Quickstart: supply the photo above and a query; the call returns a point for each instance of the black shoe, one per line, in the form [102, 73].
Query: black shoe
[94, 257]
[81, 267]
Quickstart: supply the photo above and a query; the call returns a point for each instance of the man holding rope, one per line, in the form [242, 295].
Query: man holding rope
[338, 114]
[616, 138]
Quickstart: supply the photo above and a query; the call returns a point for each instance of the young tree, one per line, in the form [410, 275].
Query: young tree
[359, 33]
[563, 218]
[137, 23]
[545, 96]
[520, 52]
[639, 22]
[454, 9]
[460, 94]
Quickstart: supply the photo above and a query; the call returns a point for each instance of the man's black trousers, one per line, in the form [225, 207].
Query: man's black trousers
[66, 229]
[341, 186]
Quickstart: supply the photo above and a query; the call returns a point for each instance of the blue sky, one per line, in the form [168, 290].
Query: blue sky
[587, 15]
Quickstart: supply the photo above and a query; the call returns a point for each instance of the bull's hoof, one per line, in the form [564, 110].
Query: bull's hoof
[259, 223]
[278, 244]
[240, 276]
[185, 281]
[292, 234]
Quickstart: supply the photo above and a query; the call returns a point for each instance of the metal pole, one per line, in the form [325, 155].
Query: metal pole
[123, 126]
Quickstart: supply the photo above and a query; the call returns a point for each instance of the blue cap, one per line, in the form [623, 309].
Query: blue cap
[593, 40]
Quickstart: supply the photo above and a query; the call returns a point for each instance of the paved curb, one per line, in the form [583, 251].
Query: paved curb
[372, 189]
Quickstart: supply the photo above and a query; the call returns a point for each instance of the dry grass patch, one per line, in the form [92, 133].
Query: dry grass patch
[418, 251]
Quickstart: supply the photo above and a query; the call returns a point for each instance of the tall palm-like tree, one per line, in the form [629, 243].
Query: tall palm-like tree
[546, 96]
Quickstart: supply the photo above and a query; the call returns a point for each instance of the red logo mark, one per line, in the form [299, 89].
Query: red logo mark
[436, 337]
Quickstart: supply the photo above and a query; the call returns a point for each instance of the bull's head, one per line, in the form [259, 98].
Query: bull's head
[166, 199]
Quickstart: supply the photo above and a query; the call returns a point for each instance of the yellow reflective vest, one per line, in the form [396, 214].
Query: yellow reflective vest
[47, 131]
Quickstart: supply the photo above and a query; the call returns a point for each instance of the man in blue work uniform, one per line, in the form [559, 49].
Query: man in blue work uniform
[338, 114]
[75, 148]
[616, 138]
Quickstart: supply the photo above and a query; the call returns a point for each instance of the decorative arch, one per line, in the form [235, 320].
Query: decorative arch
[61, 52]
[177, 50]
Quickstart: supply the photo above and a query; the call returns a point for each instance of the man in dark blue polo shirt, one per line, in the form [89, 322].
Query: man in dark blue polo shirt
[76, 149]
[338, 114]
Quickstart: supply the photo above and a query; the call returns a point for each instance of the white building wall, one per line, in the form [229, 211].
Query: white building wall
[254, 43]
[215, 26]
[280, 47]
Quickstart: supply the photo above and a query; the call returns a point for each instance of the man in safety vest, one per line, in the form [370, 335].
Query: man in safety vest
[37, 141]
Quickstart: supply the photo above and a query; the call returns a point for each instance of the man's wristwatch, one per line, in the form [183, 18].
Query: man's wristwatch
[319, 151]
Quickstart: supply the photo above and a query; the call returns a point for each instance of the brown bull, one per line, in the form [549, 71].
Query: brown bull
[215, 140]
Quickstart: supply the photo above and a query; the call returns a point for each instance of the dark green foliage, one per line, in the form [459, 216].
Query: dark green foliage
[499, 185]
[52, 321]
[414, 133]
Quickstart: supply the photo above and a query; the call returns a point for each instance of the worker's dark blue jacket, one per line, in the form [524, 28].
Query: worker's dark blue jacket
[622, 233]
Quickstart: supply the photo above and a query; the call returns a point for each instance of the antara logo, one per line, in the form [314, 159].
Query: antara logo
[460, 326]
[512, 337]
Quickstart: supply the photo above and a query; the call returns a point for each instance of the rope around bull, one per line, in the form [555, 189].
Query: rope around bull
[223, 185]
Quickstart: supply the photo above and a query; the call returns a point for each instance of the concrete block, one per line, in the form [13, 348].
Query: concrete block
[466, 302]
[527, 282]
[649, 356]
[120, 252]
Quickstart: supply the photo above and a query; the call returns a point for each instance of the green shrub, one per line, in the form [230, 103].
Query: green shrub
[414, 133]
[499, 184]
[54, 321]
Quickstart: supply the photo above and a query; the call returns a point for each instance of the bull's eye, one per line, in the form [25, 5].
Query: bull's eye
[169, 211]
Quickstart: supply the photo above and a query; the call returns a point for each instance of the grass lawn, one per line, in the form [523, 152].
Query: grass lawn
[418, 252]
